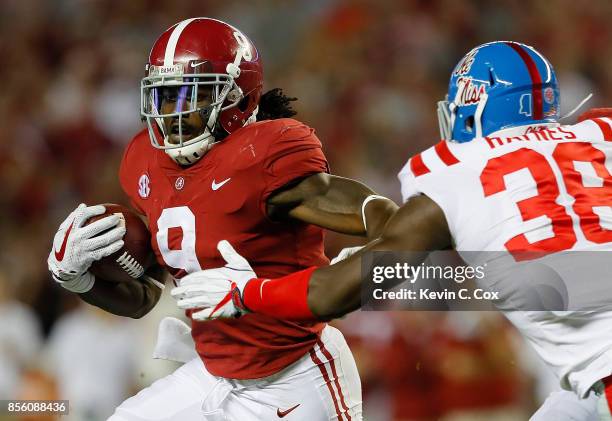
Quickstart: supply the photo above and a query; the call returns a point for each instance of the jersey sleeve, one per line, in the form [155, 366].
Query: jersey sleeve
[128, 176]
[408, 183]
[296, 153]
[438, 174]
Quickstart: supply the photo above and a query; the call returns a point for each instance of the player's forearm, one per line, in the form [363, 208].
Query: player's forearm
[307, 295]
[334, 203]
[128, 299]
[332, 291]
[322, 293]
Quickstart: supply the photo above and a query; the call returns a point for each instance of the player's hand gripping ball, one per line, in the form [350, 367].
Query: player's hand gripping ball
[134, 258]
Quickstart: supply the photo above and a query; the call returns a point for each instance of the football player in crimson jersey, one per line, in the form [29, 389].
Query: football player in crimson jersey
[220, 160]
[506, 178]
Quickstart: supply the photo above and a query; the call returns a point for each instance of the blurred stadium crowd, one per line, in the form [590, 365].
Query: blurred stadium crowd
[367, 74]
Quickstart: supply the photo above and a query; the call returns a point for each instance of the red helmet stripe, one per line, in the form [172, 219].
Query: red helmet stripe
[536, 80]
[173, 41]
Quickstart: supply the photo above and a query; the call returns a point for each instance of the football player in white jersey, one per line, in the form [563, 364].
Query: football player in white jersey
[506, 177]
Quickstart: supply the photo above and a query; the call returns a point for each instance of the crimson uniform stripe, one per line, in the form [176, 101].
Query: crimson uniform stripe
[605, 128]
[445, 154]
[330, 360]
[417, 165]
[319, 364]
[536, 80]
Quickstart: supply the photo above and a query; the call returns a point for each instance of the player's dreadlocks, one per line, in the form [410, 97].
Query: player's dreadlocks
[274, 104]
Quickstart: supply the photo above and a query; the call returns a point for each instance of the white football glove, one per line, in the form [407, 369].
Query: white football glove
[345, 253]
[76, 247]
[217, 291]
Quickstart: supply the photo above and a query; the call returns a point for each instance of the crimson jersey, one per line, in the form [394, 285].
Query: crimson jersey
[223, 196]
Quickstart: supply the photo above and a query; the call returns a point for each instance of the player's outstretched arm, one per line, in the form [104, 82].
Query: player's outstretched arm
[419, 225]
[335, 203]
[315, 293]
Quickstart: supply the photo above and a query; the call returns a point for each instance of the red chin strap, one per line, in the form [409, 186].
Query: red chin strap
[283, 298]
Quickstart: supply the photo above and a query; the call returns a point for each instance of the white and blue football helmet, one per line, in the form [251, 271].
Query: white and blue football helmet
[497, 86]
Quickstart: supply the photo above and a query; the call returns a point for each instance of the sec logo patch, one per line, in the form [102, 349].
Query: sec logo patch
[144, 188]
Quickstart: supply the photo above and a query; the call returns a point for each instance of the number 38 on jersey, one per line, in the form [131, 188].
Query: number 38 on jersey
[545, 191]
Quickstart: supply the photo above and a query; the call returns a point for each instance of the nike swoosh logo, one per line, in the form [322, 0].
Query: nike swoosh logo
[59, 255]
[217, 186]
[197, 64]
[283, 414]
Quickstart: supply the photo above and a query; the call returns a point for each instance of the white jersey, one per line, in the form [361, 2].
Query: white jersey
[543, 190]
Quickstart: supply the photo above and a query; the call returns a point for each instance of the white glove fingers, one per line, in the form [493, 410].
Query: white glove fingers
[191, 303]
[211, 289]
[101, 225]
[216, 291]
[85, 212]
[106, 251]
[202, 276]
[186, 294]
[185, 291]
[105, 239]
[178, 292]
[95, 210]
[231, 256]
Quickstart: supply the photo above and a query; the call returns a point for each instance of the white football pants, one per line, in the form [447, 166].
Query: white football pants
[322, 385]
[565, 405]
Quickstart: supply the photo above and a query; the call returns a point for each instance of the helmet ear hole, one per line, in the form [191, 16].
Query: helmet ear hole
[233, 95]
[469, 124]
[243, 105]
[492, 78]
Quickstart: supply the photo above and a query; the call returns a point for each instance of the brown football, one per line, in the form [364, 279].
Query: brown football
[136, 255]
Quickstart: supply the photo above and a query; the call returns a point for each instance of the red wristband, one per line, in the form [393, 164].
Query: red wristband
[283, 298]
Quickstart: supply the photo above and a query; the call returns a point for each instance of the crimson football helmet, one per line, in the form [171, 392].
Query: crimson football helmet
[203, 66]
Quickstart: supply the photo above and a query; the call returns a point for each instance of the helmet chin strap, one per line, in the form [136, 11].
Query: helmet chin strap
[447, 110]
[452, 107]
[444, 120]
[190, 154]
